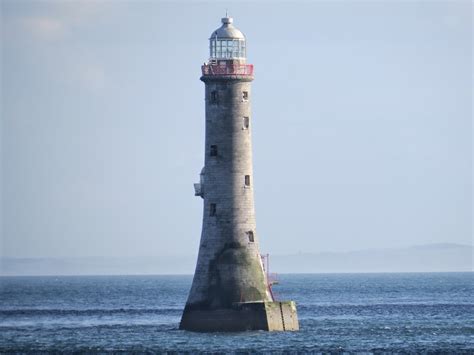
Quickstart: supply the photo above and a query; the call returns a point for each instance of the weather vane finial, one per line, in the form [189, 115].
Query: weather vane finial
[226, 13]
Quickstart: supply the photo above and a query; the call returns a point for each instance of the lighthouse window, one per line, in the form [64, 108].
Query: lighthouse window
[213, 49]
[250, 235]
[245, 95]
[223, 48]
[246, 122]
[212, 209]
[247, 180]
[213, 151]
[214, 97]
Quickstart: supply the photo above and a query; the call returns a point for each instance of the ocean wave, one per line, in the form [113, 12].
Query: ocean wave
[302, 306]
[87, 311]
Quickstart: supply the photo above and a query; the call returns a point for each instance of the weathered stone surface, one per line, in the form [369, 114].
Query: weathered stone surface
[270, 316]
[229, 290]
[229, 267]
[282, 316]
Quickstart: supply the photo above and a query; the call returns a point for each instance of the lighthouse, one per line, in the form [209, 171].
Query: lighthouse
[230, 290]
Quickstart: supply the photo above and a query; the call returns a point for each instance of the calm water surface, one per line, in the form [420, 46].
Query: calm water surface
[338, 312]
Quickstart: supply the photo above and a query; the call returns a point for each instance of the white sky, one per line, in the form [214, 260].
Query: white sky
[362, 124]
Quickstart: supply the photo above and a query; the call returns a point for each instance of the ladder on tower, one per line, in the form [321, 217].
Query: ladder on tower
[271, 277]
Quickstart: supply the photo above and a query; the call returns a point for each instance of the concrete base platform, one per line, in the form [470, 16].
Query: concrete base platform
[268, 316]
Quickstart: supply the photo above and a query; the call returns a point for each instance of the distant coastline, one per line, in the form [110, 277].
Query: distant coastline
[443, 257]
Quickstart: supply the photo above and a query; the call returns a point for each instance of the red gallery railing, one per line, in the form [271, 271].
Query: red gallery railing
[229, 69]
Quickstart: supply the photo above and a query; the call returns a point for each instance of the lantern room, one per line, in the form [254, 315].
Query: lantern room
[227, 42]
[228, 52]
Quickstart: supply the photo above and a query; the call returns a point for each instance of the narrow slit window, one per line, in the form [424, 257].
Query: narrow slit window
[214, 97]
[213, 151]
[251, 237]
[212, 209]
[247, 180]
[246, 122]
[245, 95]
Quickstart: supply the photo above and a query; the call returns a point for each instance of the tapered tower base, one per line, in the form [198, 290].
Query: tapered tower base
[270, 316]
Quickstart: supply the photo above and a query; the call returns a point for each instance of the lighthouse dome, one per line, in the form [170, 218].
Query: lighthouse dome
[227, 42]
[227, 30]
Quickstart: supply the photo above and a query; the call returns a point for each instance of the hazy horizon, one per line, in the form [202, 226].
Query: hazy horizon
[425, 258]
[194, 253]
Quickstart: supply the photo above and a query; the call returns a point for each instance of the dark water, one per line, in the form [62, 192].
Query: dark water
[358, 312]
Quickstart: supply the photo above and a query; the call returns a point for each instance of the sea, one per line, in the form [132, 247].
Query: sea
[338, 313]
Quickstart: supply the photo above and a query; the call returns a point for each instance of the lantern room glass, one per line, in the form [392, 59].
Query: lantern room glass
[227, 48]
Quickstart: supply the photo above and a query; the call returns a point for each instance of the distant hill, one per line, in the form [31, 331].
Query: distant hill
[422, 258]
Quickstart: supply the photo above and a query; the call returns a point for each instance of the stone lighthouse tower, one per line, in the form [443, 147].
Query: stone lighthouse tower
[230, 290]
